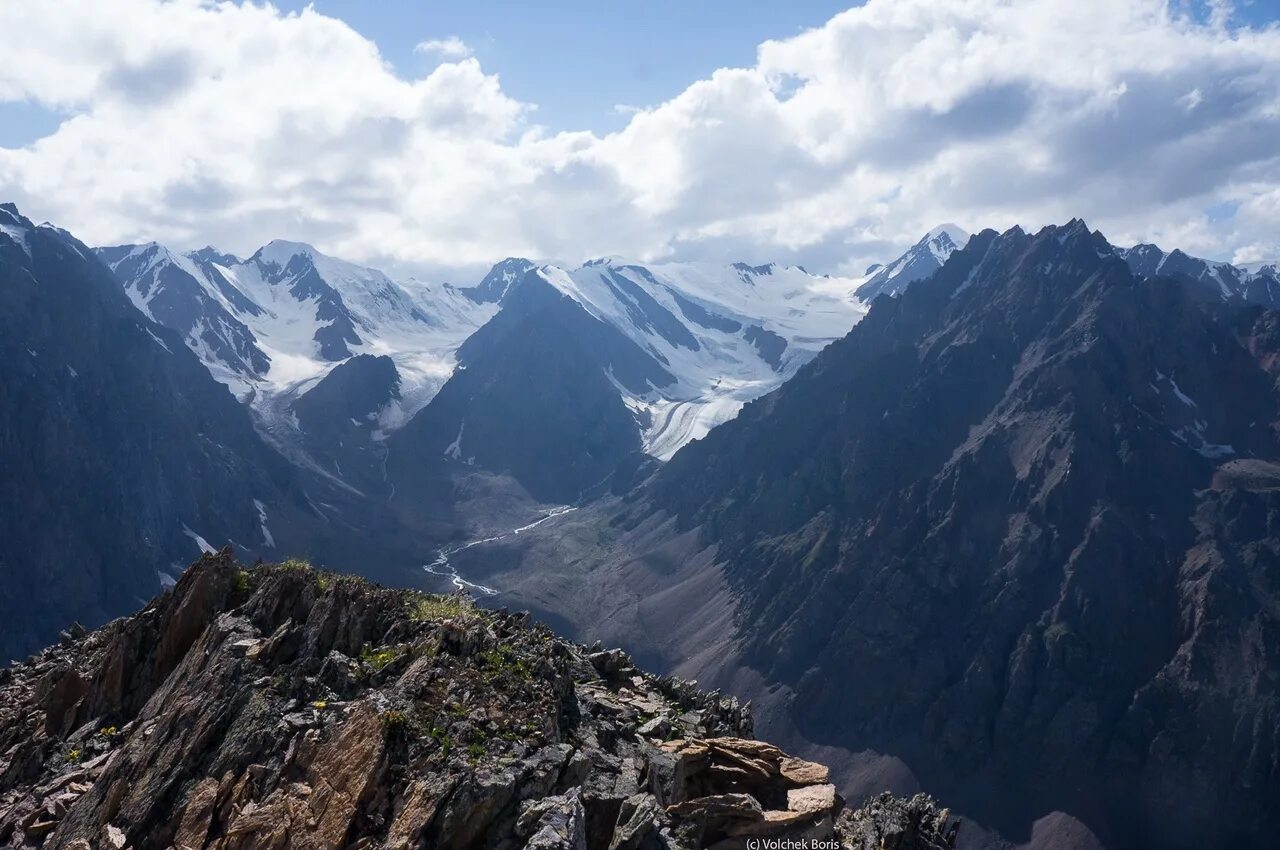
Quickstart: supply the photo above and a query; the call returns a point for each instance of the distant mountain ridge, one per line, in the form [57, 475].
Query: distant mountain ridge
[1032, 495]
[1024, 470]
[1257, 283]
[272, 326]
[1033, 498]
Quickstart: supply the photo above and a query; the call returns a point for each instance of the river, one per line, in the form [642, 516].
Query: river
[443, 567]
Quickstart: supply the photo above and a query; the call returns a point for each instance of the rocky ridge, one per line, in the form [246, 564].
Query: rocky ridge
[285, 707]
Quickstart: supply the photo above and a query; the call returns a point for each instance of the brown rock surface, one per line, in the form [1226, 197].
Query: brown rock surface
[281, 708]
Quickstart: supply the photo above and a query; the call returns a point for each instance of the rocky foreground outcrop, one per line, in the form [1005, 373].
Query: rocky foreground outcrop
[284, 708]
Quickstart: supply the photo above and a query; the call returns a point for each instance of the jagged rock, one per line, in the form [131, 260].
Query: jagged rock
[184, 727]
[707, 820]
[247, 647]
[420, 803]
[891, 823]
[197, 816]
[658, 727]
[555, 823]
[113, 838]
[344, 771]
[610, 662]
[638, 824]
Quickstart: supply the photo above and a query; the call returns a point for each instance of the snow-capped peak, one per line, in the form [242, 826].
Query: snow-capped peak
[1259, 266]
[954, 232]
[495, 285]
[272, 326]
[1258, 283]
[280, 251]
[944, 240]
[724, 334]
[921, 260]
[14, 225]
[210, 254]
[9, 215]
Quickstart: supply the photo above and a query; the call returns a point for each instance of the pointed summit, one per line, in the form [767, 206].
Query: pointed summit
[495, 285]
[921, 260]
[280, 251]
[954, 232]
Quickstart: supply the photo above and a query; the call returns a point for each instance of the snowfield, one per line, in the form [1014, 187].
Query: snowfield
[697, 321]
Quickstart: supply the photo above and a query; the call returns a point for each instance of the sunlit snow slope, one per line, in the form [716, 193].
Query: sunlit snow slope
[273, 325]
[725, 334]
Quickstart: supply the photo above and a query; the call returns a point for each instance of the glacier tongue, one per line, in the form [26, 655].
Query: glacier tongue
[274, 325]
[728, 334]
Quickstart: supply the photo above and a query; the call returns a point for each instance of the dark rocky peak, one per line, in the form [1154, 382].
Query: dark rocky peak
[340, 418]
[353, 390]
[1013, 280]
[1145, 259]
[14, 230]
[1255, 283]
[1045, 451]
[919, 261]
[569, 435]
[495, 285]
[534, 302]
[281, 707]
[279, 256]
[210, 254]
[11, 218]
[120, 448]
[754, 271]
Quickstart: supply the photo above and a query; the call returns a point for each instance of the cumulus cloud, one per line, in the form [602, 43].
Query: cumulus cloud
[194, 122]
[448, 49]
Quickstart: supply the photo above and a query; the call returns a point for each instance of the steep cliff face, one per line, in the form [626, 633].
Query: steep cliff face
[1033, 499]
[119, 454]
[340, 419]
[283, 708]
[534, 400]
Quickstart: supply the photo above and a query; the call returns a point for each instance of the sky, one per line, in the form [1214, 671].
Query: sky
[436, 138]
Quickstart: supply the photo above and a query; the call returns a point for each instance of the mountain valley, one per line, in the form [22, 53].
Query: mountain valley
[1021, 482]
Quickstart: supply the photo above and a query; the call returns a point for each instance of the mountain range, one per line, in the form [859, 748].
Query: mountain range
[994, 520]
[1033, 499]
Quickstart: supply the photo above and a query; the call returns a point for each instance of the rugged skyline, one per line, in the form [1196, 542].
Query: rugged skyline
[908, 374]
[189, 122]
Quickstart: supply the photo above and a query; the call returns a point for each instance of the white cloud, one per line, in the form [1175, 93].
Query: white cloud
[448, 49]
[196, 122]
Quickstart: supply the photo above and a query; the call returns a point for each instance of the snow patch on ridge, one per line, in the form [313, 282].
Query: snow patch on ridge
[205, 548]
[267, 539]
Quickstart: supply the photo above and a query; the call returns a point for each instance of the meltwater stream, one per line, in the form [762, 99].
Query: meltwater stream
[442, 566]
